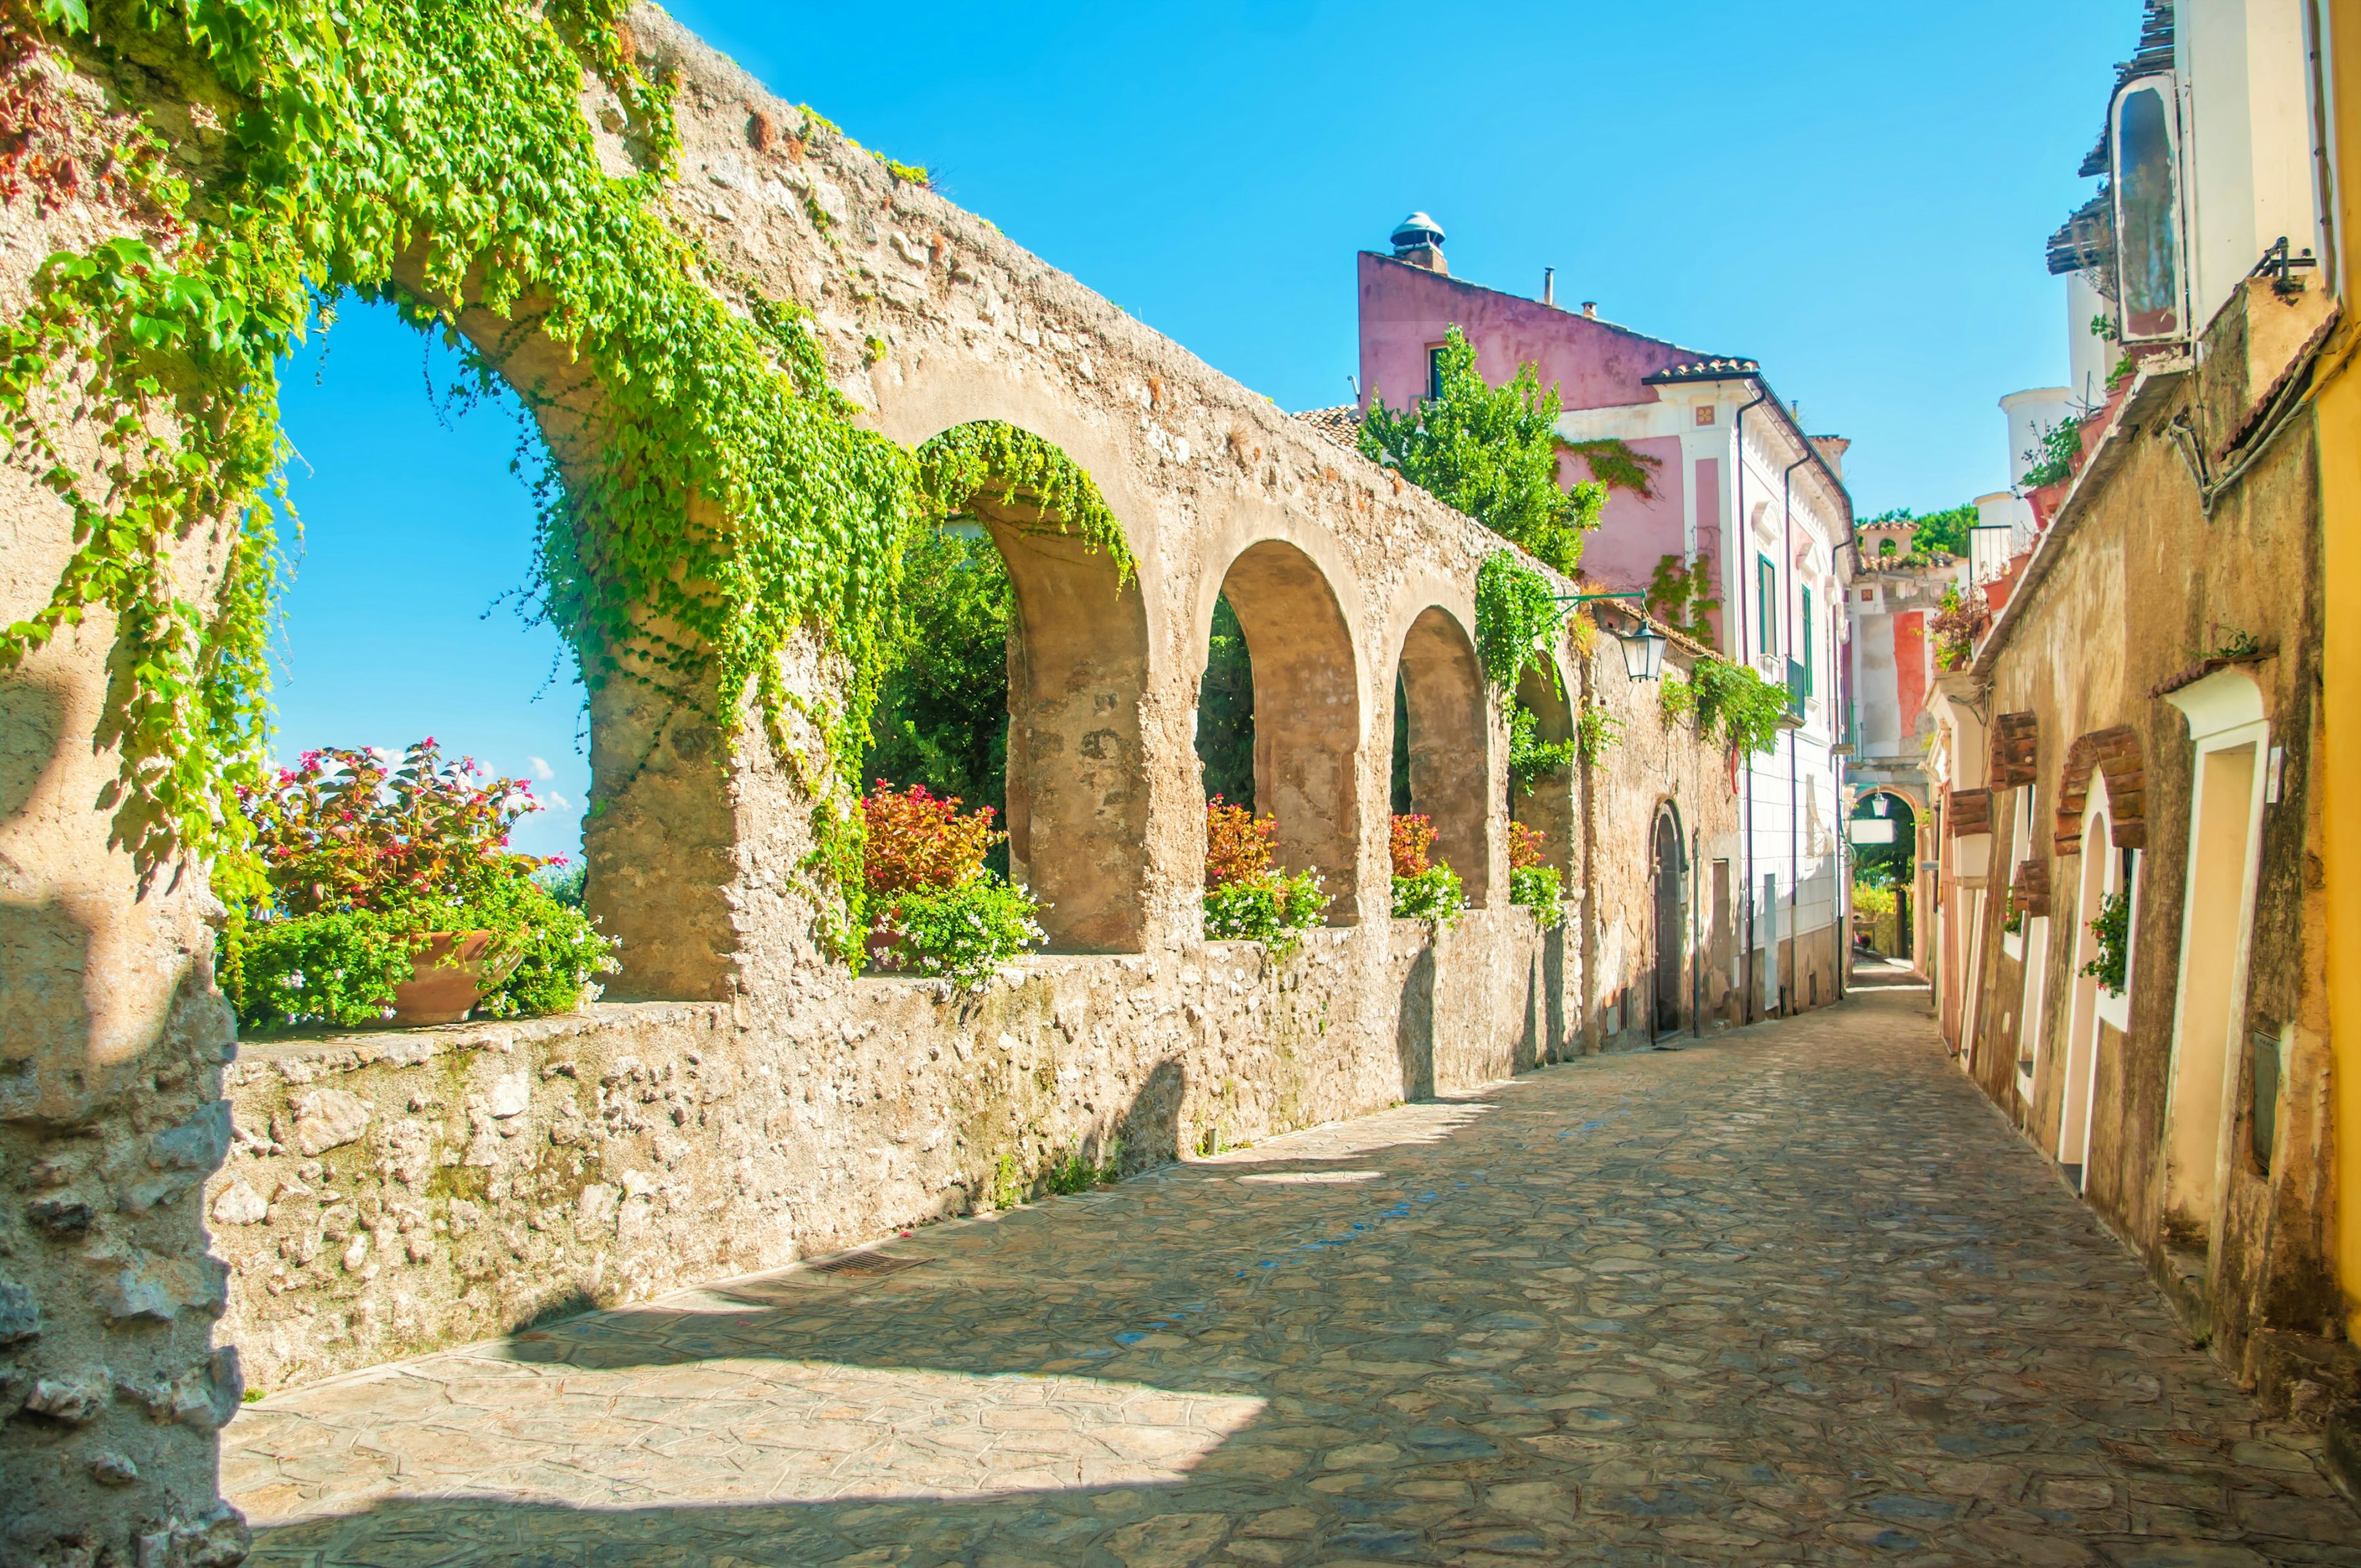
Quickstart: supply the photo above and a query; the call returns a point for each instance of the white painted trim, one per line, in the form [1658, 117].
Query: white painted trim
[2227, 699]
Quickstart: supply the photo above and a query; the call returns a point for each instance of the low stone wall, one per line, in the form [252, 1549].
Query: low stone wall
[391, 1193]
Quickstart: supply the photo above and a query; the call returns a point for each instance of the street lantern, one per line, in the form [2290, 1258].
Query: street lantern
[1643, 654]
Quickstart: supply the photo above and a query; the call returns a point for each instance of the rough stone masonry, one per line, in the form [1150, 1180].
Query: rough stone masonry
[180, 1213]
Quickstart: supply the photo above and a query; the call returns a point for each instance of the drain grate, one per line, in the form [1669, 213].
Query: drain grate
[867, 1265]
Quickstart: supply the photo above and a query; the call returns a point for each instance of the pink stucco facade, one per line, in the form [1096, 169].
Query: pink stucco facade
[1406, 312]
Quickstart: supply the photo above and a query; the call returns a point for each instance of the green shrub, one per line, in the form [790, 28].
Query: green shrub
[963, 933]
[354, 861]
[1537, 888]
[1075, 1171]
[1434, 895]
[1269, 908]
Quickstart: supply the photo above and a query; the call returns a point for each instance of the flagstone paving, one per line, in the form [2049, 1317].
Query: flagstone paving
[1793, 1295]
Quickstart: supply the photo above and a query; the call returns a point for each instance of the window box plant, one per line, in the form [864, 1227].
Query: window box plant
[1247, 898]
[1425, 888]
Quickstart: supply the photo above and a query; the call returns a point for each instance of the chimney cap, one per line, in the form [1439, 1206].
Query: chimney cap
[1416, 230]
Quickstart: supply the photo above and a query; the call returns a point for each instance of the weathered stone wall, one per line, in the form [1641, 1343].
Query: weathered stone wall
[394, 1192]
[371, 1196]
[2140, 582]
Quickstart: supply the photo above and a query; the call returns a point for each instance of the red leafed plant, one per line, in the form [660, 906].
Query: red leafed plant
[344, 830]
[1412, 836]
[918, 841]
[1238, 844]
[1527, 848]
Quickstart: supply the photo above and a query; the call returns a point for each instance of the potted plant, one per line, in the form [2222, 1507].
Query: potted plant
[370, 893]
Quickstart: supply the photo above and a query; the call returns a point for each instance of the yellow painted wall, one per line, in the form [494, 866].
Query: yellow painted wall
[2338, 399]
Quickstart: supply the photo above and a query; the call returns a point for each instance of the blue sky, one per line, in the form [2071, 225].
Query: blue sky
[1854, 194]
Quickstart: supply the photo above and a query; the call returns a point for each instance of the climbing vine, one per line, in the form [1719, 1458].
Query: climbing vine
[1741, 705]
[1515, 612]
[707, 496]
[1015, 468]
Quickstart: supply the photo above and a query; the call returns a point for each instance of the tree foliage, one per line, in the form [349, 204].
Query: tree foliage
[1226, 711]
[1491, 452]
[942, 708]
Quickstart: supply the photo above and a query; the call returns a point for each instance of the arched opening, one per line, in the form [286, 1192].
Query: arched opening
[417, 538]
[1666, 869]
[1441, 745]
[1285, 700]
[1018, 686]
[1883, 837]
[1540, 764]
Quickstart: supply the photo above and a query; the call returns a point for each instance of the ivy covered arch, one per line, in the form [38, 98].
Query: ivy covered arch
[711, 516]
[1078, 669]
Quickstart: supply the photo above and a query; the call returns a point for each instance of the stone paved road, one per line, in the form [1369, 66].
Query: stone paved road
[1793, 1296]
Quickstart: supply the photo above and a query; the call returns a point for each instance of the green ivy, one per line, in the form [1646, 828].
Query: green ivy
[1594, 730]
[1741, 705]
[1515, 614]
[720, 501]
[1014, 467]
[1530, 758]
[1619, 464]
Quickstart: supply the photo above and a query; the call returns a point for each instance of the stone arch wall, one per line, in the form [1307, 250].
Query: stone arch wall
[1450, 745]
[1308, 709]
[771, 1107]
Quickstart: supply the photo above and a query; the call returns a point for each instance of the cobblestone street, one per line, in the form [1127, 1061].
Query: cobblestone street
[1793, 1295]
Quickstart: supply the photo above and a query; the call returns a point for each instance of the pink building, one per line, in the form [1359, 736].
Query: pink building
[1737, 484]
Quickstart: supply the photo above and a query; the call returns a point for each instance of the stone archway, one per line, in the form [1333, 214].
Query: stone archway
[1307, 714]
[1548, 805]
[1449, 744]
[1077, 790]
[1667, 869]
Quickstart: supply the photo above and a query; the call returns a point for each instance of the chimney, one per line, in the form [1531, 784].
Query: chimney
[1590, 309]
[1417, 239]
[1831, 449]
[1549, 285]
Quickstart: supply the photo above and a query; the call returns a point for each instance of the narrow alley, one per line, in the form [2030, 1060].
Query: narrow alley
[1795, 1294]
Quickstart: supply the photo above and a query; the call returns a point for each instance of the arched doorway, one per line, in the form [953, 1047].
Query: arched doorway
[1667, 869]
[1883, 842]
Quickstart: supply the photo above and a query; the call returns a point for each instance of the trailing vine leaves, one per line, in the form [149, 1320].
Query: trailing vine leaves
[1619, 464]
[1530, 758]
[1516, 612]
[1016, 467]
[715, 500]
[707, 496]
[1741, 705]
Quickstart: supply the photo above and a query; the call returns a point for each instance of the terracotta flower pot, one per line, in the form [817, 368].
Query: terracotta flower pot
[447, 977]
[885, 953]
